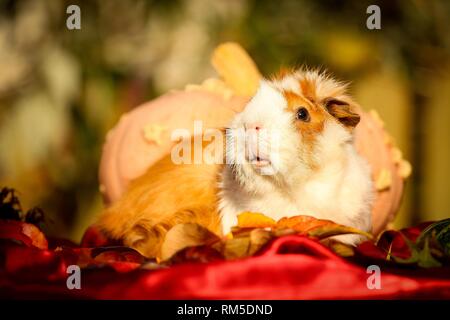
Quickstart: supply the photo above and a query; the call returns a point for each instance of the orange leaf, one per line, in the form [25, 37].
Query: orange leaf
[254, 220]
[302, 224]
[27, 233]
[37, 237]
[317, 228]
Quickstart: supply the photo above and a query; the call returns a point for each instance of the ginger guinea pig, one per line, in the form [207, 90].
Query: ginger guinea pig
[289, 152]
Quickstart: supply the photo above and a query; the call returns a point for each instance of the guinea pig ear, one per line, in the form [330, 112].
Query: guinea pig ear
[343, 112]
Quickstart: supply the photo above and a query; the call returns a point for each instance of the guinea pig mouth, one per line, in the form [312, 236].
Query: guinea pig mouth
[255, 156]
[259, 162]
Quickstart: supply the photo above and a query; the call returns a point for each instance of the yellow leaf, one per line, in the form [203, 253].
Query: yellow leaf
[258, 239]
[254, 220]
[341, 249]
[236, 248]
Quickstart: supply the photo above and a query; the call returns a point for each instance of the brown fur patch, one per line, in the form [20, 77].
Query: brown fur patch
[282, 73]
[343, 112]
[308, 89]
[310, 130]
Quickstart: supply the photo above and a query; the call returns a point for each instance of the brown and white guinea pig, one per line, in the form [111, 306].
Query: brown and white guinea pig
[296, 157]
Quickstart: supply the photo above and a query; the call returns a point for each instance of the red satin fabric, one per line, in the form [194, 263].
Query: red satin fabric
[291, 267]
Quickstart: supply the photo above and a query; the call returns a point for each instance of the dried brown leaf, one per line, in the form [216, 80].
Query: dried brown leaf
[186, 235]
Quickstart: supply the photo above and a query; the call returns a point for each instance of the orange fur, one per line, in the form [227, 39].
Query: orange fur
[308, 130]
[167, 194]
[308, 89]
[282, 72]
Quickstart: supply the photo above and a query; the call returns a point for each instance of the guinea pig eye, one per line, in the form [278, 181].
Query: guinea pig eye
[302, 114]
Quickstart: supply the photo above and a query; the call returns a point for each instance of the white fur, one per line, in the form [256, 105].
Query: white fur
[339, 190]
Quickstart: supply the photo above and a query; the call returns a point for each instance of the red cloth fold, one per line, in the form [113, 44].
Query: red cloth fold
[290, 267]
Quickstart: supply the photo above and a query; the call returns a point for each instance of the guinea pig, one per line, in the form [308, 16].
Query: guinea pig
[289, 152]
[314, 168]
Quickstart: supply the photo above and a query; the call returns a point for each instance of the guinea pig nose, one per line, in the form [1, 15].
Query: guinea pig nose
[253, 126]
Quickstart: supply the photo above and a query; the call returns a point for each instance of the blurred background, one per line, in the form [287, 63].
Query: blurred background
[61, 90]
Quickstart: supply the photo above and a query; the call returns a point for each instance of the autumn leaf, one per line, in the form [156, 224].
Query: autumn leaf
[439, 233]
[334, 229]
[426, 259]
[186, 235]
[37, 237]
[28, 234]
[341, 249]
[420, 256]
[197, 254]
[307, 225]
[192, 242]
[317, 228]
[432, 244]
[254, 220]
[258, 239]
[246, 245]
[236, 248]
[443, 237]
[301, 224]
